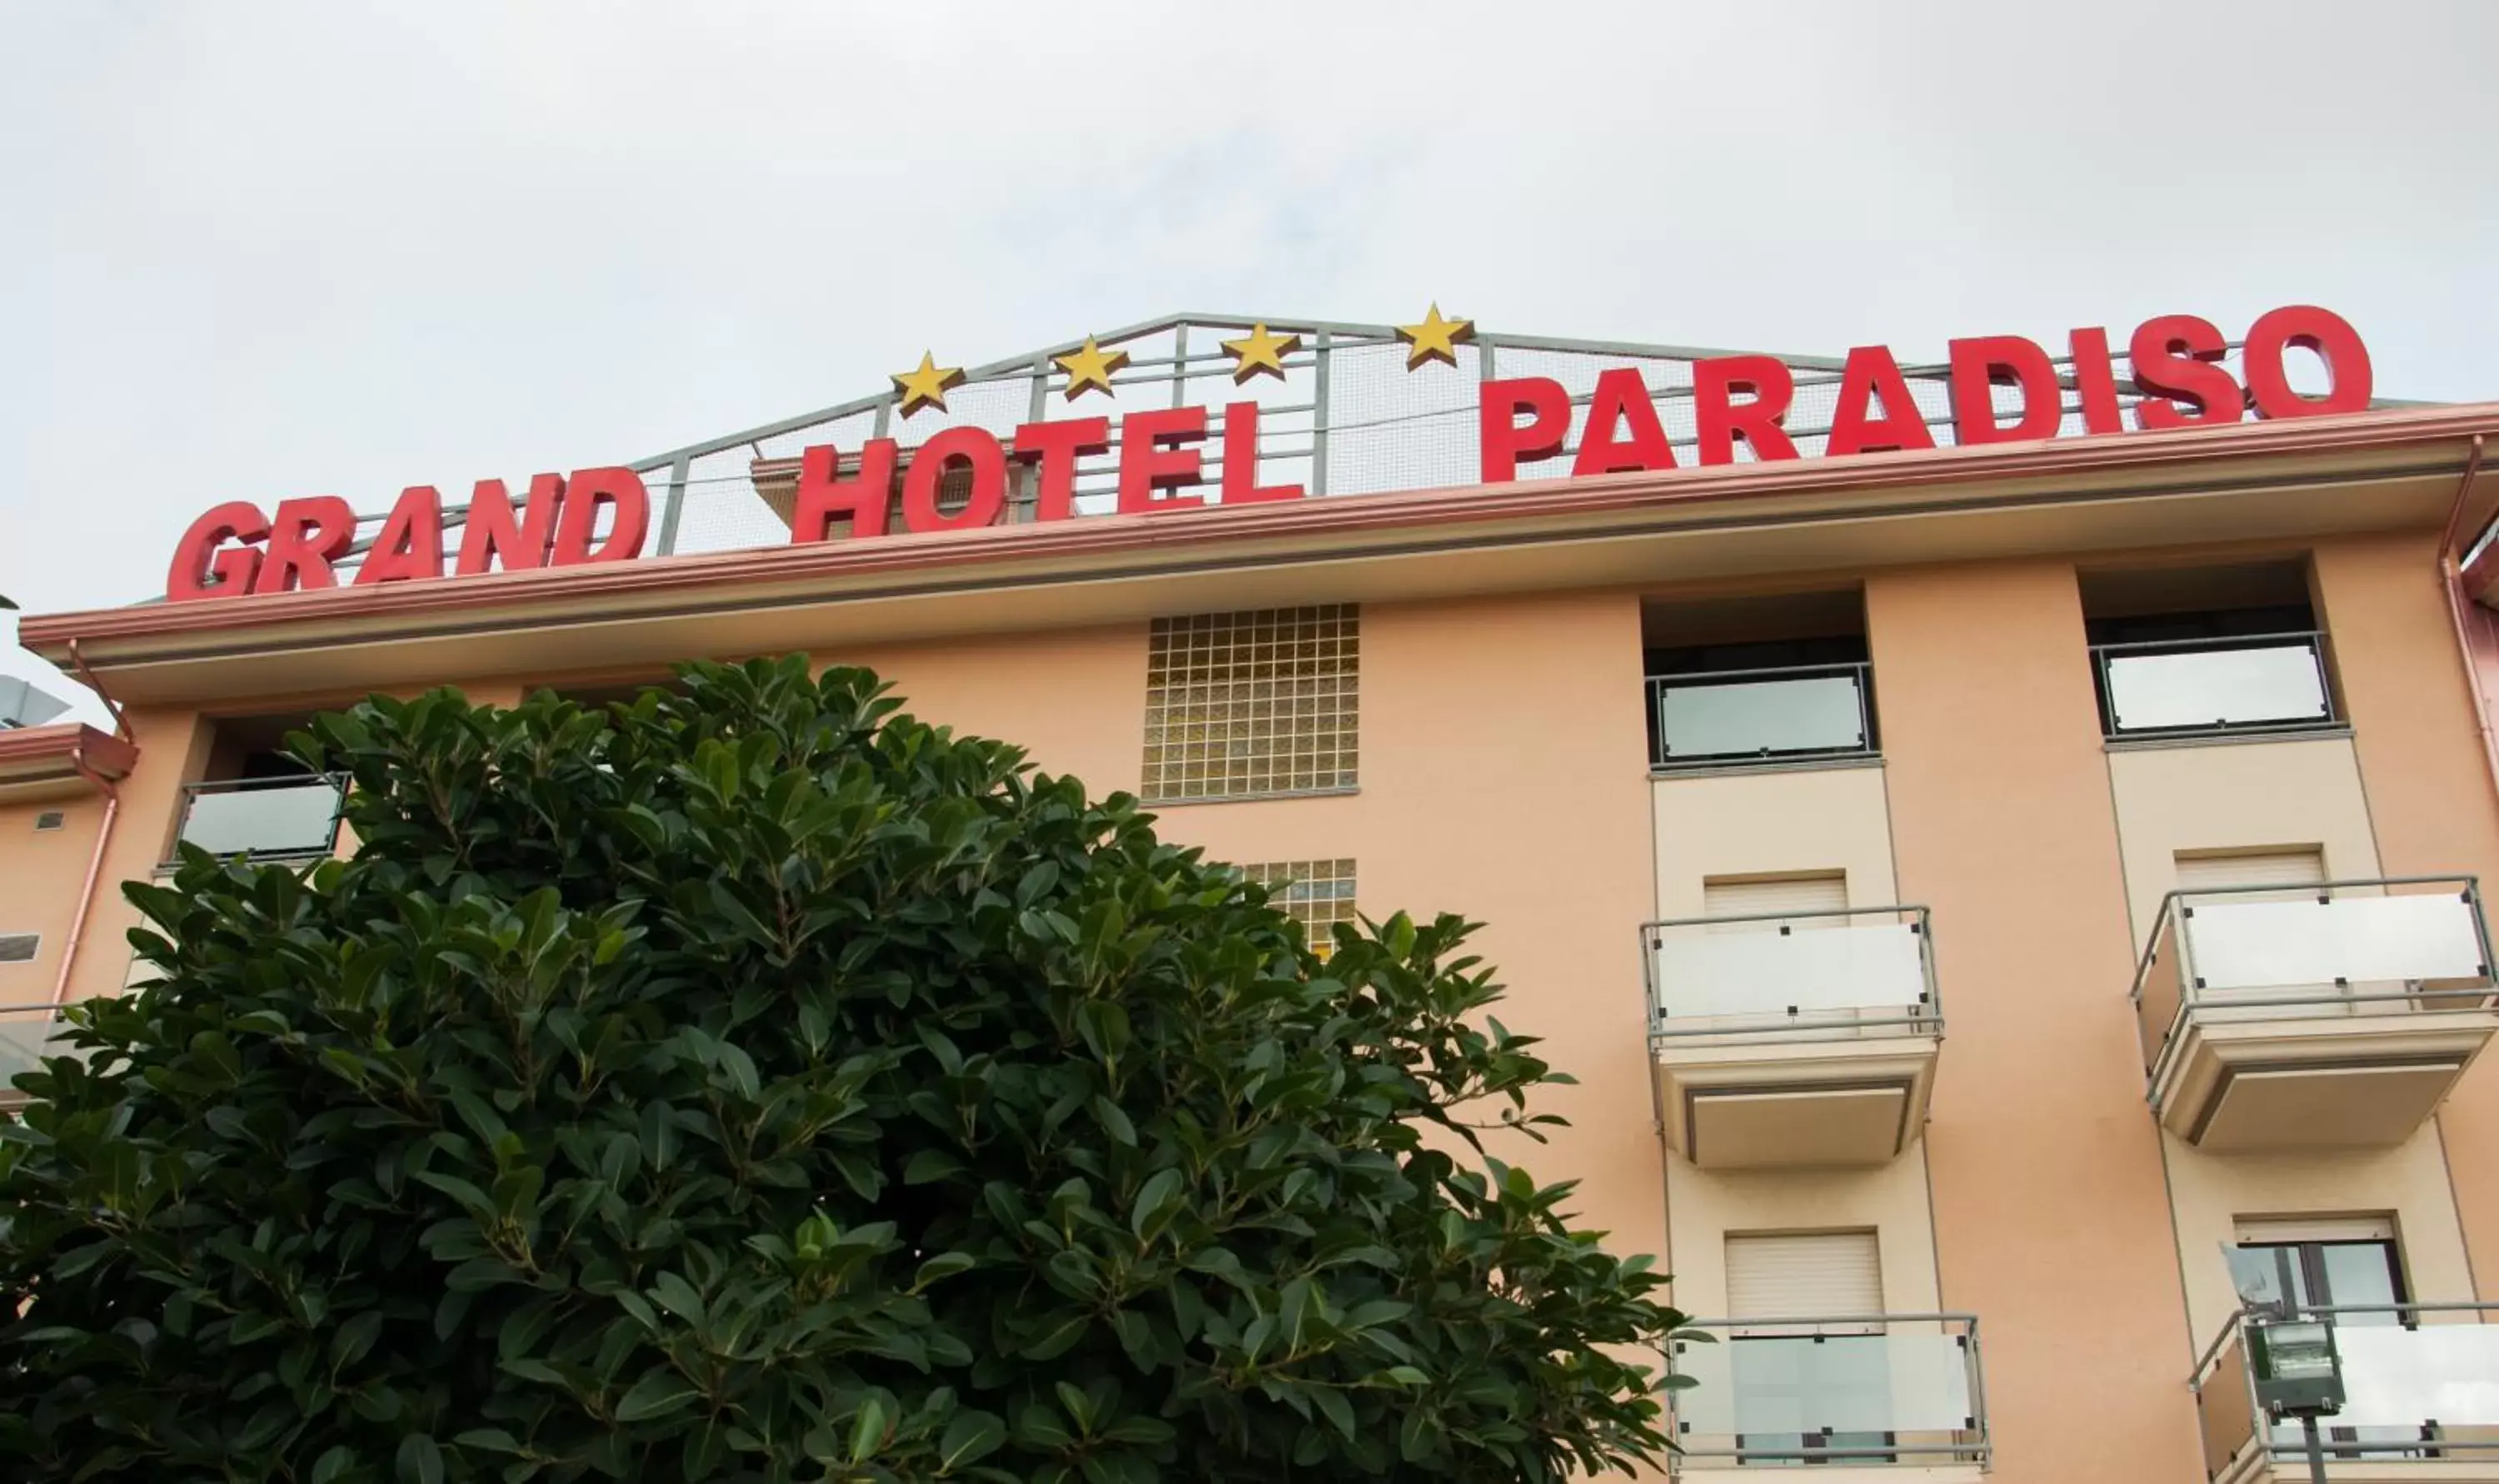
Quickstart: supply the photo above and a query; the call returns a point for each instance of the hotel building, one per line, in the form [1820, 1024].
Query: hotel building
[2002, 901]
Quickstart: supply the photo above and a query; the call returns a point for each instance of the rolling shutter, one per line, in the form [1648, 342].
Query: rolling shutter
[2289, 1231]
[1822, 891]
[2268, 868]
[1816, 1275]
[20, 948]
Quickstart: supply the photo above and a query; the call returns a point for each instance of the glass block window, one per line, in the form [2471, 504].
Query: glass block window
[1244, 704]
[1315, 893]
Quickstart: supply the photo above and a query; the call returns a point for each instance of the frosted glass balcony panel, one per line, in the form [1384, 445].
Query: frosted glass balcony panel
[1772, 716]
[1873, 965]
[2248, 944]
[282, 817]
[2278, 684]
[1846, 1384]
[2448, 1373]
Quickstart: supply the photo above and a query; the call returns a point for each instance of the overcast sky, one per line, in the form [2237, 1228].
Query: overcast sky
[262, 250]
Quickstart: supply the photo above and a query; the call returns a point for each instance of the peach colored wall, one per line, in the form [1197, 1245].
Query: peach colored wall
[1505, 777]
[1785, 822]
[1075, 701]
[2248, 797]
[40, 875]
[1776, 824]
[173, 746]
[2213, 1192]
[1890, 1199]
[2258, 796]
[2430, 794]
[2051, 1221]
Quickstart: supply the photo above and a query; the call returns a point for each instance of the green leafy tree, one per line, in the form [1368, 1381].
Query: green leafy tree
[752, 1084]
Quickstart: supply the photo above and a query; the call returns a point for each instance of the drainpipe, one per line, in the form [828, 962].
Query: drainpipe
[94, 870]
[104, 832]
[2452, 578]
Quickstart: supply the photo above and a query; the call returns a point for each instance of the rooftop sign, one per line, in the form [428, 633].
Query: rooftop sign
[1153, 459]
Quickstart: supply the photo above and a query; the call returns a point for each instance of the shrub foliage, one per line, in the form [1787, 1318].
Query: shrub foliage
[751, 1083]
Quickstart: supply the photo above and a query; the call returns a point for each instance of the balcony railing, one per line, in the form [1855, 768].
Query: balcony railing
[1714, 719]
[274, 818]
[2421, 1383]
[27, 1035]
[1792, 974]
[1873, 1390]
[2255, 682]
[2394, 945]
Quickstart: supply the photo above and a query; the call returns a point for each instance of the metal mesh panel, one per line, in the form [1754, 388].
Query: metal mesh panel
[722, 510]
[1244, 704]
[1391, 429]
[846, 434]
[1317, 894]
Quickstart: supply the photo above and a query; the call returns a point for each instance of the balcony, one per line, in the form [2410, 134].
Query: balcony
[28, 1033]
[2189, 687]
[271, 819]
[1792, 1042]
[1714, 719]
[2421, 1403]
[1880, 1392]
[2336, 1018]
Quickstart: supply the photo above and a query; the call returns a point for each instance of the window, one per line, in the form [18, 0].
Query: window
[49, 820]
[2191, 650]
[1756, 679]
[2337, 1265]
[1315, 893]
[20, 948]
[1809, 1276]
[2302, 866]
[1245, 705]
[1760, 897]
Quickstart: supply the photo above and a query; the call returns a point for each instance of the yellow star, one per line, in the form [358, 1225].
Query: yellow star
[1260, 353]
[1090, 366]
[928, 385]
[1435, 338]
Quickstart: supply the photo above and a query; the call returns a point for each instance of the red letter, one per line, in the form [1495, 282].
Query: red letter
[824, 494]
[620, 488]
[228, 572]
[1147, 466]
[2312, 328]
[410, 542]
[1241, 486]
[1980, 366]
[488, 536]
[1053, 449]
[1853, 427]
[920, 480]
[305, 538]
[1622, 398]
[2172, 358]
[1757, 421]
[2094, 382]
[1505, 441]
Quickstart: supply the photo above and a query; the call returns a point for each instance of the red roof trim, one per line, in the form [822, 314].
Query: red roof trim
[27, 749]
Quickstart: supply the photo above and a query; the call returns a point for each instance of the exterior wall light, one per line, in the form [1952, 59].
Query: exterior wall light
[2297, 1370]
